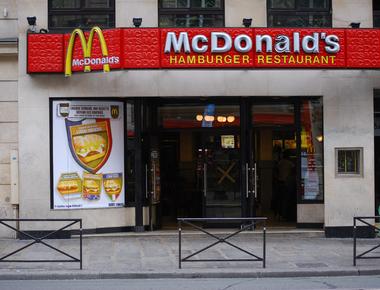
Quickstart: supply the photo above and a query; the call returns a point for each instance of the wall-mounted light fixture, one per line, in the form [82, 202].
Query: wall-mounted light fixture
[137, 22]
[247, 22]
[355, 24]
[32, 23]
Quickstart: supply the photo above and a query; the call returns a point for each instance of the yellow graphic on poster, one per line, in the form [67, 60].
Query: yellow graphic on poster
[113, 183]
[92, 186]
[70, 185]
[90, 144]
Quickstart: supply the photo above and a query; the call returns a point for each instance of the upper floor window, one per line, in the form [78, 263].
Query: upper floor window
[376, 13]
[299, 13]
[69, 14]
[191, 13]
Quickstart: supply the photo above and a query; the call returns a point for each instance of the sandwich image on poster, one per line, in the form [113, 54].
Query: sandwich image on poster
[70, 186]
[90, 142]
[113, 183]
[92, 186]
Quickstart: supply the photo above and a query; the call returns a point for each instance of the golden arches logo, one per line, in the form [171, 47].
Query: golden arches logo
[87, 49]
[114, 112]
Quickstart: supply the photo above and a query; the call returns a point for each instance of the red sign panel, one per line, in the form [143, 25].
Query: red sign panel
[154, 48]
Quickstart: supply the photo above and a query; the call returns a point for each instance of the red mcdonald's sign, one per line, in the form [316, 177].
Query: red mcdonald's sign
[166, 48]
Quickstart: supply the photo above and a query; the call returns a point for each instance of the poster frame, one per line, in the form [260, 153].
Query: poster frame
[51, 147]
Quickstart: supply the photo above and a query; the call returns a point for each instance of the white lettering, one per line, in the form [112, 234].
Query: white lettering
[332, 44]
[296, 42]
[238, 43]
[215, 36]
[95, 61]
[172, 41]
[259, 43]
[282, 44]
[314, 40]
[195, 43]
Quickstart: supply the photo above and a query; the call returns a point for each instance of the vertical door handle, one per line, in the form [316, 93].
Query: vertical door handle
[146, 180]
[246, 180]
[154, 180]
[255, 179]
[204, 179]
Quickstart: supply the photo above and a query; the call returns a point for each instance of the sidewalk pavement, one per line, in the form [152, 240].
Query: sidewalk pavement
[155, 255]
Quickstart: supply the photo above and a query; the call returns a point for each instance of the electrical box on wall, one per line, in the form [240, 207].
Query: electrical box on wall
[14, 177]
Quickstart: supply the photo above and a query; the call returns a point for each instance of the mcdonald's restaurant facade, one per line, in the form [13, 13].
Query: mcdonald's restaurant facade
[130, 128]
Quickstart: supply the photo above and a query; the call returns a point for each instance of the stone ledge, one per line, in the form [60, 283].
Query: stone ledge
[8, 46]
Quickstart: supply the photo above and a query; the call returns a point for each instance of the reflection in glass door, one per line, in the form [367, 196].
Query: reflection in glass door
[273, 161]
[220, 168]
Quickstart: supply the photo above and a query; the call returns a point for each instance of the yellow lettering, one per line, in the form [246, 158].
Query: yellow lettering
[236, 59]
[219, 59]
[292, 59]
[201, 59]
[209, 59]
[308, 59]
[260, 59]
[300, 59]
[332, 57]
[245, 58]
[191, 59]
[173, 59]
[316, 60]
[228, 59]
[325, 59]
[269, 59]
[181, 60]
[277, 59]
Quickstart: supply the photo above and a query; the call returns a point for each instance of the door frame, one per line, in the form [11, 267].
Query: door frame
[246, 130]
[251, 129]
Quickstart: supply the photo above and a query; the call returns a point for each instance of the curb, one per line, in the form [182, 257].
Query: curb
[187, 275]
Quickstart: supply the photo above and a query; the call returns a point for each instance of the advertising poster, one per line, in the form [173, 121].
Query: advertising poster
[88, 154]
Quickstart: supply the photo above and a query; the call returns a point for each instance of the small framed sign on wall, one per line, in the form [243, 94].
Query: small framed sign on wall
[349, 162]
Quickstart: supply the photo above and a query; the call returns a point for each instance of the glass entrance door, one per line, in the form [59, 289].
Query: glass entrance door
[272, 162]
[219, 164]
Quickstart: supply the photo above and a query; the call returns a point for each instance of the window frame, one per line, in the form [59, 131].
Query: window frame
[298, 11]
[375, 15]
[190, 11]
[110, 12]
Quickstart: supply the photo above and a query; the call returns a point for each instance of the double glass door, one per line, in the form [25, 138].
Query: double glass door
[228, 160]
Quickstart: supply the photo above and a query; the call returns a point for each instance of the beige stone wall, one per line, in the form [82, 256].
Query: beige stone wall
[347, 11]
[347, 97]
[8, 104]
[236, 10]
[8, 18]
[126, 10]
